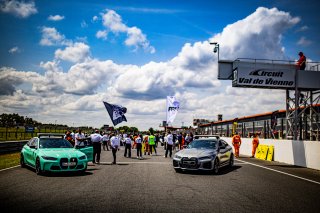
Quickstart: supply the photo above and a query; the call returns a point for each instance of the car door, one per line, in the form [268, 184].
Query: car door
[223, 151]
[33, 151]
[88, 150]
[27, 152]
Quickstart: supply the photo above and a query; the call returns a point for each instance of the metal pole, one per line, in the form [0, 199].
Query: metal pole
[287, 113]
[296, 103]
[311, 115]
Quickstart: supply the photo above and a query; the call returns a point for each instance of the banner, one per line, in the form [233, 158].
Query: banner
[172, 108]
[116, 113]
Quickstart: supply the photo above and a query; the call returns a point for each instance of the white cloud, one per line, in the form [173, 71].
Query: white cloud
[135, 38]
[259, 31]
[84, 24]
[76, 52]
[94, 19]
[18, 8]
[191, 76]
[302, 29]
[55, 18]
[102, 34]
[14, 50]
[304, 42]
[51, 37]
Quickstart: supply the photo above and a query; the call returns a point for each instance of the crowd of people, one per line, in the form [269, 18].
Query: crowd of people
[147, 143]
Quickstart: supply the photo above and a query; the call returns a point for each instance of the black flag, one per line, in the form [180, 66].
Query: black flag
[116, 113]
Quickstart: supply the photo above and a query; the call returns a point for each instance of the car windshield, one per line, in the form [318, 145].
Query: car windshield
[203, 144]
[54, 143]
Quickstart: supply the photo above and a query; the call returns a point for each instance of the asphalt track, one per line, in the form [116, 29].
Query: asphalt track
[151, 185]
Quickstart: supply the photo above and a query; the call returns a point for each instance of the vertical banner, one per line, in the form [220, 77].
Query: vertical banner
[172, 108]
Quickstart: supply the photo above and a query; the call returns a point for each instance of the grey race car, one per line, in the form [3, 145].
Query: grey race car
[204, 153]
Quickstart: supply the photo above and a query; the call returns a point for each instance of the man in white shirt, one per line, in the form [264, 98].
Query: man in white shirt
[169, 144]
[139, 146]
[115, 144]
[127, 142]
[96, 139]
[105, 141]
[79, 138]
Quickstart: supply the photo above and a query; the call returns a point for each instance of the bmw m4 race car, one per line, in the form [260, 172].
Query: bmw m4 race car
[51, 152]
[204, 153]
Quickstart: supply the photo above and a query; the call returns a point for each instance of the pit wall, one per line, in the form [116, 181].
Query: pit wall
[298, 153]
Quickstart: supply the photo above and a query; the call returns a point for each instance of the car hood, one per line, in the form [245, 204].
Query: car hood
[61, 152]
[196, 152]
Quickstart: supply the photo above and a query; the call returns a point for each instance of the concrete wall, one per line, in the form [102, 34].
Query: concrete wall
[299, 153]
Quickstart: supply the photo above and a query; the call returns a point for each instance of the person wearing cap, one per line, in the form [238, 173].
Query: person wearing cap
[302, 61]
[96, 139]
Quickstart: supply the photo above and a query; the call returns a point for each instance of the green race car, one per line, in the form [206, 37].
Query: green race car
[51, 152]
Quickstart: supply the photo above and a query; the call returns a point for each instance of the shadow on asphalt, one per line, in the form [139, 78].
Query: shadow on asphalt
[222, 171]
[288, 166]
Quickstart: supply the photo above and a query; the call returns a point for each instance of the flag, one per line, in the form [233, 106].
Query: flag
[116, 113]
[172, 108]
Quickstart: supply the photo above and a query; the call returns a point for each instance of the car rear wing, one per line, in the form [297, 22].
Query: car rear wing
[50, 135]
[206, 136]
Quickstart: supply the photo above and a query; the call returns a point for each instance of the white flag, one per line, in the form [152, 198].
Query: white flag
[172, 108]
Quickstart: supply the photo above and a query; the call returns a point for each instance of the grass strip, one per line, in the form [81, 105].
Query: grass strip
[9, 160]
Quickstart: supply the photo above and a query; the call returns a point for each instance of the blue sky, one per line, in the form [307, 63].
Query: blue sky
[134, 52]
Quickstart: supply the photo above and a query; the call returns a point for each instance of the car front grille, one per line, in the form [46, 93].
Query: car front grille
[63, 160]
[66, 163]
[73, 160]
[189, 163]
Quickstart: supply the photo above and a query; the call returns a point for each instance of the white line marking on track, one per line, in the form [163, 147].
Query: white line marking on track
[312, 181]
[9, 168]
[140, 162]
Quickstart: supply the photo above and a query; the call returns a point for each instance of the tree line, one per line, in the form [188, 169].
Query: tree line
[14, 120]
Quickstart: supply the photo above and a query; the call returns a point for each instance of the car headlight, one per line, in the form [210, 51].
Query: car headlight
[206, 158]
[83, 157]
[177, 156]
[49, 158]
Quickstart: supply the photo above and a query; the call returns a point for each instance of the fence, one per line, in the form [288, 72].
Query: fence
[12, 134]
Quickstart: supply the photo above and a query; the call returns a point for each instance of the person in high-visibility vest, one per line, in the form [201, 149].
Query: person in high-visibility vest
[152, 144]
[255, 144]
[236, 142]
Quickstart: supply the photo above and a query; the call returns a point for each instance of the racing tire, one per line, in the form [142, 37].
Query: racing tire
[38, 167]
[215, 169]
[22, 163]
[231, 162]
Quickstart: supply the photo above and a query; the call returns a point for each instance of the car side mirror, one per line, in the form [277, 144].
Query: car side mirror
[32, 146]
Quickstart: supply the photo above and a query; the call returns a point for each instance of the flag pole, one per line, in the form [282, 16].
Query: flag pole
[165, 127]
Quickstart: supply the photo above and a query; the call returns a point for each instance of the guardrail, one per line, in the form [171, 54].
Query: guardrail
[12, 146]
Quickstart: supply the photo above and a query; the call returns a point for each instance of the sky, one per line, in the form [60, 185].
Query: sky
[59, 60]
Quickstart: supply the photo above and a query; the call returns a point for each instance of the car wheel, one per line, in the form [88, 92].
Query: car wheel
[38, 167]
[215, 169]
[22, 163]
[231, 162]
